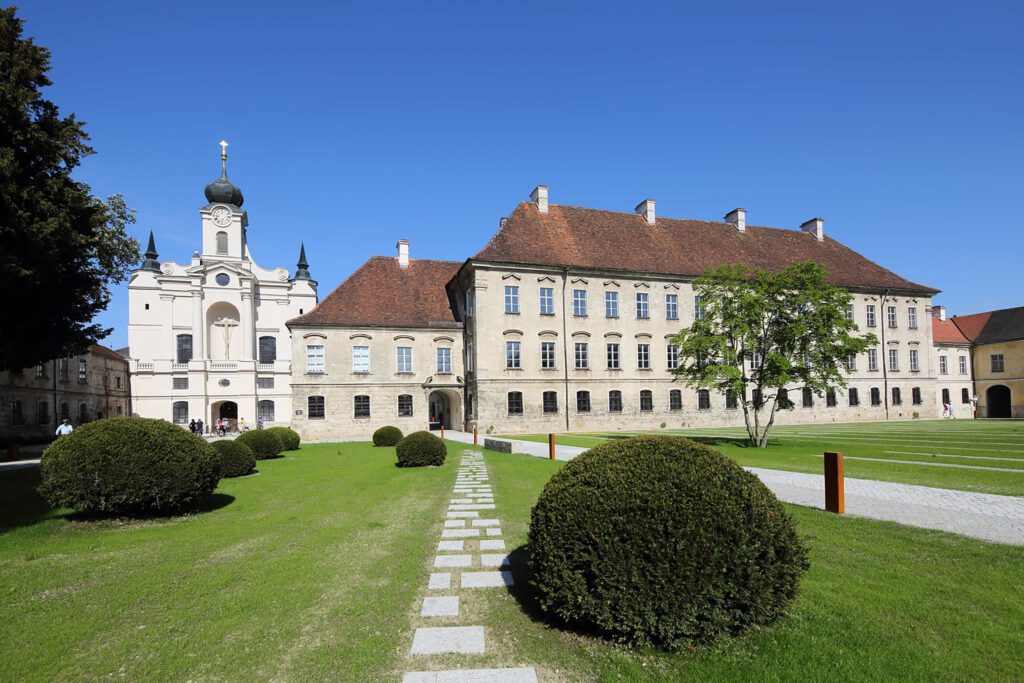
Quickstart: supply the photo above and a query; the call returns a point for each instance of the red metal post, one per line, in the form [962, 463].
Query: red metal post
[551, 446]
[834, 493]
[475, 439]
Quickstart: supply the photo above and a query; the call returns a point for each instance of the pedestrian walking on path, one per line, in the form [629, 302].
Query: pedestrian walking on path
[65, 428]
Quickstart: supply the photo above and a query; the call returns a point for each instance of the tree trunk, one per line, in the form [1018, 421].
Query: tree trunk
[763, 441]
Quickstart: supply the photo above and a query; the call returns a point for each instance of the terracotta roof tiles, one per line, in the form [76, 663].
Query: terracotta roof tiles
[946, 332]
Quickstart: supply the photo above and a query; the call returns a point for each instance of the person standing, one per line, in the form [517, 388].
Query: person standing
[259, 422]
[65, 428]
[952, 411]
[192, 426]
[200, 427]
[241, 425]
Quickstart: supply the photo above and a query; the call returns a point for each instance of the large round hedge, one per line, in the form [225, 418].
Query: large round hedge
[662, 540]
[129, 466]
[290, 439]
[236, 459]
[263, 442]
[420, 449]
[387, 436]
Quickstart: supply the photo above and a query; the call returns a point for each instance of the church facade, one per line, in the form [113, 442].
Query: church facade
[563, 323]
[207, 338]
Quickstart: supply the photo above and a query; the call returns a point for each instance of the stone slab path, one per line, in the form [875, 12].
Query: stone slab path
[460, 554]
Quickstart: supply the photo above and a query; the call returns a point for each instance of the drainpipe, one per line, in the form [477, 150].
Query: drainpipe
[885, 355]
[565, 346]
[56, 416]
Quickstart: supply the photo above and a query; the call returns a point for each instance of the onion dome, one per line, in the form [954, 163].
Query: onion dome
[222, 190]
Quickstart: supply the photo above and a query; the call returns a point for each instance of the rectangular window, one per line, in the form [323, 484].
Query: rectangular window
[671, 307]
[444, 360]
[830, 398]
[871, 315]
[315, 407]
[646, 401]
[405, 405]
[849, 311]
[876, 396]
[672, 356]
[873, 360]
[963, 365]
[703, 399]
[515, 403]
[894, 360]
[579, 302]
[913, 361]
[184, 348]
[943, 366]
[40, 371]
[550, 402]
[854, 399]
[851, 363]
[965, 396]
[643, 356]
[361, 406]
[179, 412]
[360, 359]
[582, 356]
[265, 411]
[756, 361]
[643, 305]
[675, 399]
[264, 382]
[912, 317]
[547, 301]
[512, 358]
[997, 362]
[81, 370]
[891, 313]
[730, 399]
[404, 359]
[613, 356]
[582, 401]
[611, 304]
[315, 358]
[180, 382]
[469, 357]
[42, 412]
[267, 349]
[469, 302]
[17, 414]
[698, 310]
[614, 401]
[915, 396]
[897, 398]
[808, 397]
[547, 355]
[62, 369]
[511, 299]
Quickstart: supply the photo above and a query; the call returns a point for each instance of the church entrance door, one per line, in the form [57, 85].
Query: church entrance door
[228, 411]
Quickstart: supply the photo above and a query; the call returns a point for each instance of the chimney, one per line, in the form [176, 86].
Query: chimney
[815, 226]
[502, 222]
[939, 312]
[646, 209]
[403, 253]
[737, 217]
[539, 196]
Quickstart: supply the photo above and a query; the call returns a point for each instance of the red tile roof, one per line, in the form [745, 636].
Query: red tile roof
[611, 240]
[946, 332]
[382, 294]
[971, 325]
[101, 350]
[1005, 324]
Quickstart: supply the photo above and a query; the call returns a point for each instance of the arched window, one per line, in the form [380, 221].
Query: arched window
[703, 399]
[550, 402]
[184, 348]
[876, 396]
[222, 242]
[265, 410]
[405, 405]
[582, 401]
[896, 398]
[180, 412]
[615, 401]
[362, 406]
[675, 399]
[268, 349]
[646, 400]
[83, 413]
[315, 407]
[515, 403]
[915, 395]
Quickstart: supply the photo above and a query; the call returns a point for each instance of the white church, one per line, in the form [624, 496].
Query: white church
[207, 338]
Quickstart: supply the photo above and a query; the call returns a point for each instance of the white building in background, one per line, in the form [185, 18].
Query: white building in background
[207, 338]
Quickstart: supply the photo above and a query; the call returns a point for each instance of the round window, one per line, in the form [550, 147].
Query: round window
[223, 279]
[224, 382]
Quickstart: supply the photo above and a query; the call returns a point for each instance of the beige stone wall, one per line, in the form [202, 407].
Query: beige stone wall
[339, 384]
[1012, 375]
[953, 380]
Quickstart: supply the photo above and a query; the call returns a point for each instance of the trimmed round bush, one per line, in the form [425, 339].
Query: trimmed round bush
[129, 466]
[421, 449]
[236, 459]
[387, 436]
[662, 540]
[263, 442]
[289, 437]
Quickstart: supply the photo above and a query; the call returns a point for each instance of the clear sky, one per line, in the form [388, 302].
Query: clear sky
[352, 125]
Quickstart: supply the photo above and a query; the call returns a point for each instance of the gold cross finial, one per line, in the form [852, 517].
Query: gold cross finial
[224, 155]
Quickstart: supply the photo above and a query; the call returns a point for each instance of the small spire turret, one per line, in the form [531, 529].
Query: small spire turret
[151, 262]
[302, 267]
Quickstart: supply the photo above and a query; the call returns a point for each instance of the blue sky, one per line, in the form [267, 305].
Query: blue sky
[354, 124]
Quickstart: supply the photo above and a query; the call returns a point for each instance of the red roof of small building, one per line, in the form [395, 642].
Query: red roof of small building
[383, 294]
[101, 350]
[946, 332]
[970, 326]
[990, 327]
[611, 240]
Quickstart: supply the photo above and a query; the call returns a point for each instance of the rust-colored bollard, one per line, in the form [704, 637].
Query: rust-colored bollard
[551, 446]
[442, 431]
[476, 441]
[834, 497]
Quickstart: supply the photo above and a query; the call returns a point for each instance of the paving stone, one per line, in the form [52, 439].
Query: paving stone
[486, 579]
[462, 500]
[440, 606]
[440, 581]
[474, 506]
[451, 545]
[452, 523]
[493, 531]
[453, 560]
[486, 522]
[462, 514]
[459, 533]
[448, 639]
[495, 560]
[497, 544]
[520, 675]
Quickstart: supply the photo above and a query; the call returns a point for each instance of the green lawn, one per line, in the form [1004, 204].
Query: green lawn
[314, 569]
[907, 452]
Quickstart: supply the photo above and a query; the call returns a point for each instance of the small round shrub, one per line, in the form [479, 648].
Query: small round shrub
[236, 459]
[290, 439]
[420, 449]
[661, 540]
[263, 442]
[387, 436]
[129, 466]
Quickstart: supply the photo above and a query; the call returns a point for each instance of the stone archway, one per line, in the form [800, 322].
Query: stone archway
[226, 410]
[444, 407]
[997, 401]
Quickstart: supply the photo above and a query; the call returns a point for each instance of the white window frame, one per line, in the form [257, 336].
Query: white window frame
[671, 307]
[643, 356]
[403, 360]
[581, 353]
[513, 355]
[943, 366]
[315, 359]
[611, 304]
[612, 356]
[912, 317]
[361, 359]
[511, 299]
[963, 365]
[444, 360]
[643, 305]
[872, 320]
[547, 301]
[914, 361]
[872, 360]
[579, 303]
[548, 359]
[698, 310]
[894, 360]
[891, 317]
[672, 356]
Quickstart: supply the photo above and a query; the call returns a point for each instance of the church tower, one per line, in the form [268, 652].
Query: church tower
[224, 221]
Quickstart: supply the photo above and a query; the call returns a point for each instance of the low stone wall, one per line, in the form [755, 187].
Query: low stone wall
[498, 445]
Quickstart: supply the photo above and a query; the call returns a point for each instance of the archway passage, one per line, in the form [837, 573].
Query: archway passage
[440, 410]
[227, 411]
[997, 401]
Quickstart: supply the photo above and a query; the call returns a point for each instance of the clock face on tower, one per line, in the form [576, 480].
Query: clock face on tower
[221, 217]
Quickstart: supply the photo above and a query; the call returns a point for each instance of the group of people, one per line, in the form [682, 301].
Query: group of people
[948, 411]
[223, 426]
